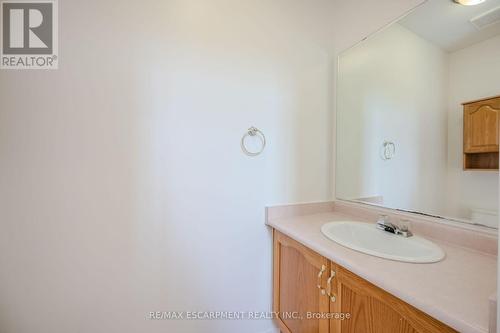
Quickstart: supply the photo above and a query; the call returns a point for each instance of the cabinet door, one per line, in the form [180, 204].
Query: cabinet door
[298, 272]
[481, 122]
[372, 310]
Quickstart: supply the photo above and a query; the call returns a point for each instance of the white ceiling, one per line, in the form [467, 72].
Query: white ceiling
[447, 25]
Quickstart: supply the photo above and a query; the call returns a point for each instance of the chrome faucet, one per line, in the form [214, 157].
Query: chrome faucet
[401, 230]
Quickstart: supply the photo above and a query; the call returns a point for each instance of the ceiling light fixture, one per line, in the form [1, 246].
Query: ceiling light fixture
[469, 2]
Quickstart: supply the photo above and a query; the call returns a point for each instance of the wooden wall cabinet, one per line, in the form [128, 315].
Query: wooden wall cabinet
[307, 283]
[481, 134]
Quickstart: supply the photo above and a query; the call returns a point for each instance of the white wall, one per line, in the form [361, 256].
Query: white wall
[470, 80]
[393, 87]
[122, 186]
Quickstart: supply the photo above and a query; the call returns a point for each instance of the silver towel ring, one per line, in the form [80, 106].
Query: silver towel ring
[252, 131]
[388, 150]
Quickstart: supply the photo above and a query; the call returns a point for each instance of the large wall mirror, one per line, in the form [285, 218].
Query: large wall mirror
[418, 114]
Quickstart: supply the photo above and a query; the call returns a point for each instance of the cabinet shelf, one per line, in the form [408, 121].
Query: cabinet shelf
[481, 161]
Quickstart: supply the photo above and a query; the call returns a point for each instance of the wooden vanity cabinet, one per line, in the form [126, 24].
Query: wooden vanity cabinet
[306, 282]
[481, 134]
[374, 310]
[298, 271]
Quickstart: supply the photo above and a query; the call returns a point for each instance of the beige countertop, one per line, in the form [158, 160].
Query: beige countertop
[455, 291]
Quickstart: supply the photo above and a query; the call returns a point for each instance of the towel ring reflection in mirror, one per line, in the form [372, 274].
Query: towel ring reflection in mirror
[252, 132]
[388, 150]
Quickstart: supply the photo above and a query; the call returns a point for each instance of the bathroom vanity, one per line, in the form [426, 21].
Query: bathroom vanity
[321, 286]
[310, 284]
[410, 146]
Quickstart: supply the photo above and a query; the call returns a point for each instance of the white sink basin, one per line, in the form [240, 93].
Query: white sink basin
[366, 238]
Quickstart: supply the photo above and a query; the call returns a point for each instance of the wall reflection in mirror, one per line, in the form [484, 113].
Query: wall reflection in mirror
[418, 114]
